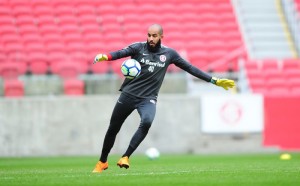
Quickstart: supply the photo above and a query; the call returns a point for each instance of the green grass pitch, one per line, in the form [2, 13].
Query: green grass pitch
[223, 170]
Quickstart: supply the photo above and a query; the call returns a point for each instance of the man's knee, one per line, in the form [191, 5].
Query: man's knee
[146, 123]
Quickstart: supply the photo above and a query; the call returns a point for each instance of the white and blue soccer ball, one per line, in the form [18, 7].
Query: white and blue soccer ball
[131, 68]
[152, 153]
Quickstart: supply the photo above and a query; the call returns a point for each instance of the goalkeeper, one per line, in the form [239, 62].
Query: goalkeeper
[141, 93]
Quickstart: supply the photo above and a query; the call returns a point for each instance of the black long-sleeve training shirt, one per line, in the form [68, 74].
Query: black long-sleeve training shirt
[153, 68]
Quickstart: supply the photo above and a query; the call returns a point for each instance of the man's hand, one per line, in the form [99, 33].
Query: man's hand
[100, 57]
[225, 83]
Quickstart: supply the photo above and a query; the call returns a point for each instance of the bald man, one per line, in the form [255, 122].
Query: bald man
[141, 93]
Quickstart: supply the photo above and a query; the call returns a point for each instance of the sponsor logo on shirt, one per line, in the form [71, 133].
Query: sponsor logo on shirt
[152, 63]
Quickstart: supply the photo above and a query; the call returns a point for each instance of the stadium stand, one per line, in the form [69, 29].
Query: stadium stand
[274, 77]
[42, 36]
[59, 26]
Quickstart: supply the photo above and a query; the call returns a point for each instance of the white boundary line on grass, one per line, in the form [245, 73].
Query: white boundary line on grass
[151, 173]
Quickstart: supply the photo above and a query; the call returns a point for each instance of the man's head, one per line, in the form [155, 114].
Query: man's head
[155, 34]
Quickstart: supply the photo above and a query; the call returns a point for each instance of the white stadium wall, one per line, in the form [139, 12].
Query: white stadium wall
[34, 126]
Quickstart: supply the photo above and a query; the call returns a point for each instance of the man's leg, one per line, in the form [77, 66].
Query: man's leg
[122, 110]
[146, 110]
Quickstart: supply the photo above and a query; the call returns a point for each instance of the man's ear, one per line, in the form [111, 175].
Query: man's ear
[162, 36]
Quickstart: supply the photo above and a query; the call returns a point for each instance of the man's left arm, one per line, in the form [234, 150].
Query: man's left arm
[186, 66]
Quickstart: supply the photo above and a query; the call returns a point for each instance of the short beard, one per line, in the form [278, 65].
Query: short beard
[155, 48]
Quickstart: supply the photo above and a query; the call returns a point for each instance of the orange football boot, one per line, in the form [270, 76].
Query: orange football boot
[123, 162]
[100, 166]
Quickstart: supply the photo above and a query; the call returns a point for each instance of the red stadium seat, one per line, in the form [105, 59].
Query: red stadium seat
[51, 37]
[13, 47]
[72, 37]
[91, 38]
[110, 28]
[252, 65]
[40, 10]
[87, 19]
[291, 73]
[68, 69]
[62, 3]
[101, 68]
[109, 18]
[227, 17]
[145, 8]
[17, 56]
[13, 88]
[3, 57]
[295, 91]
[55, 47]
[209, 17]
[38, 67]
[80, 56]
[32, 38]
[35, 46]
[175, 44]
[67, 20]
[105, 9]
[257, 83]
[16, 3]
[28, 29]
[91, 29]
[48, 29]
[5, 10]
[132, 37]
[69, 29]
[75, 46]
[35, 3]
[38, 63]
[85, 10]
[12, 70]
[8, 29]
[270, 64]
[293, 82]
[170, 17]
[25, 20]
[270, 74]
[291, 64]
[21, 10]
[55, 56]
[278, 91]
[47, 19]
[276, 83]
[129, 7]
[64, 10]
[73, 87]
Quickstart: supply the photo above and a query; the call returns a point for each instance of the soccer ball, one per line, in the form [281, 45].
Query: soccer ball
[152, 153]
[131, 68]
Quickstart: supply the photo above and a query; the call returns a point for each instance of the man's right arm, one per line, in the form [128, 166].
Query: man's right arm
[125, 52]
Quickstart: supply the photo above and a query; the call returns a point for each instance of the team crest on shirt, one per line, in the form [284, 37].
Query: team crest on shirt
[162, 58]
